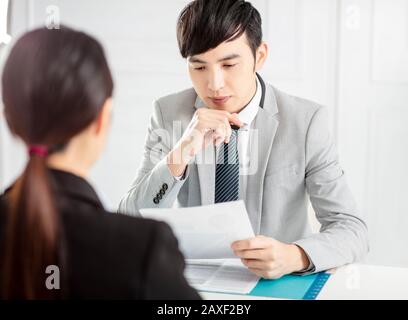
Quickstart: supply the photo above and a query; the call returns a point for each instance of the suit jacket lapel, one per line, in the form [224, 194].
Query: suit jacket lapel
[265, 125]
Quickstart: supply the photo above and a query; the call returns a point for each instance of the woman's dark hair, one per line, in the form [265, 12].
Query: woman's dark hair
[205, 24]
[54, 85]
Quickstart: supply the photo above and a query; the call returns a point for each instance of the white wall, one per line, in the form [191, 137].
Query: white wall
[373, 116]
[350, 55]
[12, 153]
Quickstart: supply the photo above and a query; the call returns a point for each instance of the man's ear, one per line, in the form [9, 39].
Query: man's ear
[103, 118]
[261, 55]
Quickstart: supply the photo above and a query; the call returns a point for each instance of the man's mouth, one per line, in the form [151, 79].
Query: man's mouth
[219, 101]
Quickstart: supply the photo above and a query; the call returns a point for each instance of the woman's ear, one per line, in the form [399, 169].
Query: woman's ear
[103, 119]
[261, 55]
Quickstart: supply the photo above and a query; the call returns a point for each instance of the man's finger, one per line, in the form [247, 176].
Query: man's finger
[258, 254]
[219, 132]
[265, 274]
[228, 131]
[258, 272]
[258, 242]
[218, 140]
[233, 119]
[259, 264]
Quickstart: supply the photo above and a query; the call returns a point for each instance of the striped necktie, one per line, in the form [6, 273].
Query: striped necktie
[227, 171]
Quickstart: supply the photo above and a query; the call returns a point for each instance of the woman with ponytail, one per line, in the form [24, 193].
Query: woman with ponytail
[56, 90]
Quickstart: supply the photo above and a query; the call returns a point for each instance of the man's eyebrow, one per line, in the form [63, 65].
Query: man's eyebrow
[229, 57]
[196, 60]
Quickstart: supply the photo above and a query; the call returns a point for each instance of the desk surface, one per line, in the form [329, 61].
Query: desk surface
[354, 281]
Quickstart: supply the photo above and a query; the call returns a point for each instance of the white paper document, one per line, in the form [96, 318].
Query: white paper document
[229, 276]
[206, 232]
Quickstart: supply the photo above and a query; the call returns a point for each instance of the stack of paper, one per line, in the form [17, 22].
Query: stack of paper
[228, 275]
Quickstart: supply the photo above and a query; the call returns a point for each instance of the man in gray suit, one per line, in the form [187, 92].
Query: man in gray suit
[234, 137]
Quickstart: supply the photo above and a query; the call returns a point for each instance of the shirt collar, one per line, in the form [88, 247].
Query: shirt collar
[248, 114]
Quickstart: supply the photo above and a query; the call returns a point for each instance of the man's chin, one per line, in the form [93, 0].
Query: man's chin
[225, 107]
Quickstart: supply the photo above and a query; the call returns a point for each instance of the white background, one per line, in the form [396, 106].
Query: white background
[350, 55]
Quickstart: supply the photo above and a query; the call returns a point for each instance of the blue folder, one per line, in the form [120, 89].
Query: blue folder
[292, 287]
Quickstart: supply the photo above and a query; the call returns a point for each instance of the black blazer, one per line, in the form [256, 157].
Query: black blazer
[110, 255]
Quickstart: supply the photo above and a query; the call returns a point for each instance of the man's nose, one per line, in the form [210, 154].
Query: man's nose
[216, 81]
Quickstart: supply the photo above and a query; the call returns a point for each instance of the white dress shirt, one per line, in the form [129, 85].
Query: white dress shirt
[247, 116]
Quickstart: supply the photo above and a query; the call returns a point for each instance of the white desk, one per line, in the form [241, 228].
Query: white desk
[354, 281]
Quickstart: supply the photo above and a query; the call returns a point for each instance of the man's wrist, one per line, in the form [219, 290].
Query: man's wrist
[177, 161]
[300, 260]
[177, 170]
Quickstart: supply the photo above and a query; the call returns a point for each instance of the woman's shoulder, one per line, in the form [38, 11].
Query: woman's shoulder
[127, 224]
[117, 231]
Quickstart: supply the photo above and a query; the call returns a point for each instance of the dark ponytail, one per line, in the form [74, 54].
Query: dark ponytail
[31, 233]
[54, 84]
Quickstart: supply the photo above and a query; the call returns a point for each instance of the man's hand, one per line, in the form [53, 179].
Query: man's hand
[269, 258]
[207, 126]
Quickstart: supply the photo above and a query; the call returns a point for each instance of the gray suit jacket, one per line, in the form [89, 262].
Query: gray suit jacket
[295, 160]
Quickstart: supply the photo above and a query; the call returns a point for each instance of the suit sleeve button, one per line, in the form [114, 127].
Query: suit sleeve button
[162, 192]
[159, 196]
[165, 186]
[156, 201]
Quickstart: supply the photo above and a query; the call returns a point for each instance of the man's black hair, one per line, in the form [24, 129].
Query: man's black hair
[205, 24]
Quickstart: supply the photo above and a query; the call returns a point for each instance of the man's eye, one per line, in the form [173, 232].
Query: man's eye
[199, 68]
[229, 65]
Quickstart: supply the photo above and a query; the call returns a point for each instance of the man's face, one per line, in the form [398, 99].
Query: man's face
[224, 77]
